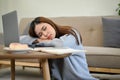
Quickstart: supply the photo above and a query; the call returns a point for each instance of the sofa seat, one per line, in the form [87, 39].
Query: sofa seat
[105, 59]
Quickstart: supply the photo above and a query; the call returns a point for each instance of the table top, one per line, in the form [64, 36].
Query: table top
[29, 55]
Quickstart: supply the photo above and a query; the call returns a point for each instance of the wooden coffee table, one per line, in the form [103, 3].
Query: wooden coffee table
[43, 57]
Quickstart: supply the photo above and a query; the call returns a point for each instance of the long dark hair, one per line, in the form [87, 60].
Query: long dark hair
[60, 30]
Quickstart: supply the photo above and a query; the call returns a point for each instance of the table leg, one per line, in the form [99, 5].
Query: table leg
[0, 65]
[45, 67]
[12, 69]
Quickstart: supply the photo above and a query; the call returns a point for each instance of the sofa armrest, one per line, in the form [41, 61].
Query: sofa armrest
[102, 51]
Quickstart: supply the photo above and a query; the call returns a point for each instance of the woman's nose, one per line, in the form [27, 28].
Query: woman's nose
[44, 33]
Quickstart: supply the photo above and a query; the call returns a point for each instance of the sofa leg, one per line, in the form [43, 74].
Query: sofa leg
[0, 65]
[23, 67]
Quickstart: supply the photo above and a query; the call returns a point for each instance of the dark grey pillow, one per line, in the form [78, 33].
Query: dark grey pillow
[111, 31]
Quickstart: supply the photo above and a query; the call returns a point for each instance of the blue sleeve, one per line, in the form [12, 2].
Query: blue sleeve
[63, 41]
[26, 39]
[52, 43]
[69, 41]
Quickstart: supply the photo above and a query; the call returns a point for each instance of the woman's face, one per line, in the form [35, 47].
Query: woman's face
[45, 31]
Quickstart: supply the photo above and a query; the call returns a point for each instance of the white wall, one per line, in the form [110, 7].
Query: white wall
[57, 8]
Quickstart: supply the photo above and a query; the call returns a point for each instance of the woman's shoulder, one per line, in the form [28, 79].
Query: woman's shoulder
[76, 31]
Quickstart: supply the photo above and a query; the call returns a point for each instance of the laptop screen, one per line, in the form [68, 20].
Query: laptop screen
[10, 28]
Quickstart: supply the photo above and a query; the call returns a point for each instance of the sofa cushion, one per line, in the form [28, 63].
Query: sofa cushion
[111, 31]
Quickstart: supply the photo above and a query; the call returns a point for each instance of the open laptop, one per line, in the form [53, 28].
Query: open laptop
[10, 28]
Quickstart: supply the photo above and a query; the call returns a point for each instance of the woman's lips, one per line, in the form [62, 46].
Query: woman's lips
[50, 36]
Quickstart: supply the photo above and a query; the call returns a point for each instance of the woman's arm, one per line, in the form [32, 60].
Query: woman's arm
[26, 39]
[50, 43]
[63, 41]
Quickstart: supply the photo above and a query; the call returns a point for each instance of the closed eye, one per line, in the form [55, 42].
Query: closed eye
[44, 28]
[39, 34]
